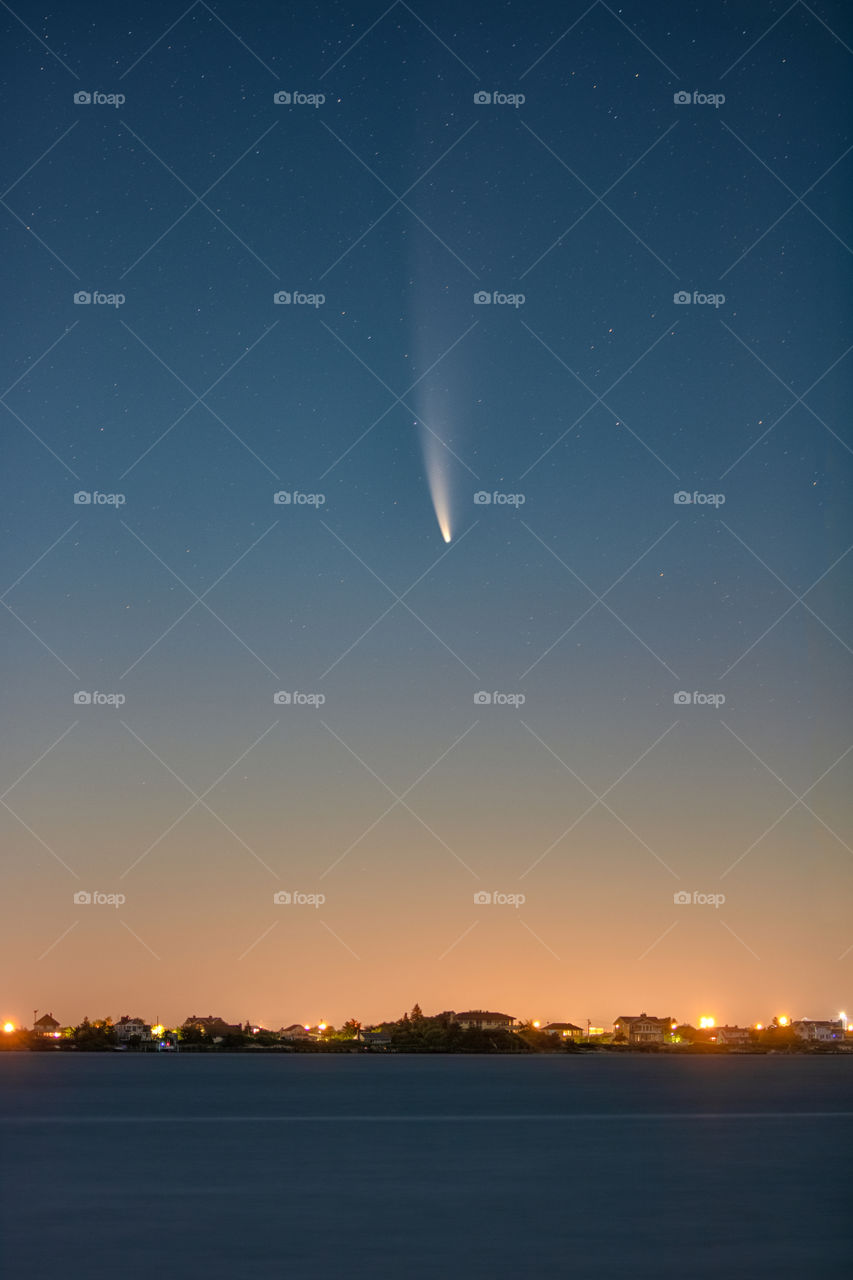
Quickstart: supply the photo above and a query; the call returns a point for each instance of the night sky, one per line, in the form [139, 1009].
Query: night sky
[580, 399]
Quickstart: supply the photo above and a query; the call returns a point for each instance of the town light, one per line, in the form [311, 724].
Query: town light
[706, 1023]
[537, 1024]
[321, 1026]
[782, 1020]
[759, 1026]
[8, 1026]
[157, 1031]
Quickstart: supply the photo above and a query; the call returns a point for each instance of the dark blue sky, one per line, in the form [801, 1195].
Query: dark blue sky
[589, 404]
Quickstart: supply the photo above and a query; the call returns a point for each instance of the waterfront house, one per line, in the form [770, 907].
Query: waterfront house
[642, 1028]
[483, 1020]
[46, 1025]
[126, 1028]
[566, 1030]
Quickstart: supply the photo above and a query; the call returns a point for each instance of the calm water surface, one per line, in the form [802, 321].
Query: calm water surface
[242, 1167]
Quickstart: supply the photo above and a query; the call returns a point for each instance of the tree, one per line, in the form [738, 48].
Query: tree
[416, 1015]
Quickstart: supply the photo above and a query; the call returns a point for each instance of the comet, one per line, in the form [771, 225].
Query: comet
[438, 478]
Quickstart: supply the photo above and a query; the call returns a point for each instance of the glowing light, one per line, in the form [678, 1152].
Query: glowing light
[782, 1020]
[8, 1026]
[157, 1031]
[706, 1022]
[321, 1026]
[759, 1026]
[436, 458]
[537, 1024]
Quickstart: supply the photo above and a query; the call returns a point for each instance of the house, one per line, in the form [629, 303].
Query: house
[46, 1026]
[643, 1029]
[819, 1031]
[380, 1039]
[736, 1037]
[566, 1030]
[296, 1031]
[127, 1028]
[211, 1025]
[482, 1020]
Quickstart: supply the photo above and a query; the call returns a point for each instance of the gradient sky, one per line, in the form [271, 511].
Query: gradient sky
[599, 598]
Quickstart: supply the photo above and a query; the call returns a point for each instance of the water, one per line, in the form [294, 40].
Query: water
[242, 1167]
